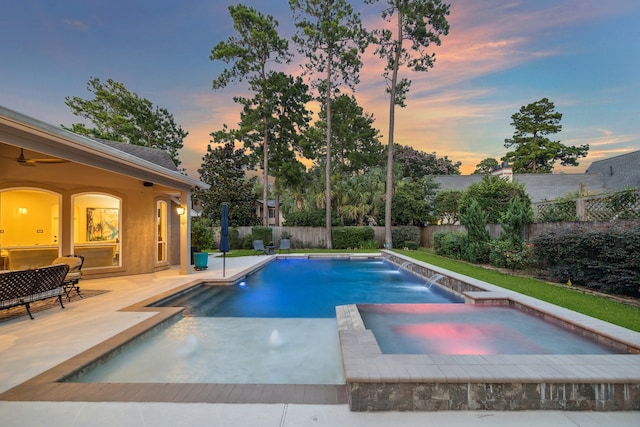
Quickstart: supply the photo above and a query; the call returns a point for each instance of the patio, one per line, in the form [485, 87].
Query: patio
[30, 347]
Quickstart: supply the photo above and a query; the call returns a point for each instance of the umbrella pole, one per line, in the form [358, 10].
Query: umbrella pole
[224, 261]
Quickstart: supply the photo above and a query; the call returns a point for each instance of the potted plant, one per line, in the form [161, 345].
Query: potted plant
[201, 238]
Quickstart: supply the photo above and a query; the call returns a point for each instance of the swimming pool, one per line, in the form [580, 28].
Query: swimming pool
[311, 288]
[274, 326]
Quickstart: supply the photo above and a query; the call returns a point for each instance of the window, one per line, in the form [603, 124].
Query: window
[161, 230]
[96, 229]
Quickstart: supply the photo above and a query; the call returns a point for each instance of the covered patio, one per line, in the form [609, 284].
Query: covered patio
[123, 207]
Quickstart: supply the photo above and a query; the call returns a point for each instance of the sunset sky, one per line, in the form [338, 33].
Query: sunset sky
[583, 55]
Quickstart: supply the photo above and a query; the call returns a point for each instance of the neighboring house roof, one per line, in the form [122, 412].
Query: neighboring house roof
[270, 203]
[138, 162]
[539, 187]
[547, 186]
[619, 172]
[603, 176]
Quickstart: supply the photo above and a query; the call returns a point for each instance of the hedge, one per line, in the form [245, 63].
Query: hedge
[351, 237]
[402, 234]
[604, 260]
[262, 233]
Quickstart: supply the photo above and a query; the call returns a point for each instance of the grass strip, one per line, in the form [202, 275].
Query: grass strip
[574, 299]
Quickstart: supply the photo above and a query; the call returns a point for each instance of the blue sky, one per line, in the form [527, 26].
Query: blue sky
[499, 55]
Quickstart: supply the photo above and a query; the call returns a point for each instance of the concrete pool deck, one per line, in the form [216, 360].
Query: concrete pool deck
[29, 348]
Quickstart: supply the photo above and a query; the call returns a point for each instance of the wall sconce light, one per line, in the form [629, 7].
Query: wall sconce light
[180, 210]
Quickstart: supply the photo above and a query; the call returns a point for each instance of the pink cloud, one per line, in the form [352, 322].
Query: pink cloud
[442, 114]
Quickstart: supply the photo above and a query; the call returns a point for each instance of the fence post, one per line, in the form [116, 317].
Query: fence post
[581, 213]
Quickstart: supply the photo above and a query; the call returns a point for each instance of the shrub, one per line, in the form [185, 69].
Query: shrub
[262, 233]
[607, 260]
[451, 245]
[351, 237]
[247, 242]
[369, 244]
[476, 252]
[409, 244]
[475, 221]
[493, 194]
[446, 204]
[517, 216]
[504, 254]
[202, 236]
[403, 234]
[234, 238]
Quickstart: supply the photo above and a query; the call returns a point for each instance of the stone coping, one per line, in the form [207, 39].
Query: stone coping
[364, 361]
[377, 381]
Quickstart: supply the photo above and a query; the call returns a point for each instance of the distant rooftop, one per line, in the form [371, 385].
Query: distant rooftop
[603, 176]
[619, 172]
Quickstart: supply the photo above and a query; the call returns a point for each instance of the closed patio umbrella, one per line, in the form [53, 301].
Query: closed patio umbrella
[224, 236]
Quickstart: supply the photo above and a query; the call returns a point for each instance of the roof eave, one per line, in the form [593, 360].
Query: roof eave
[28, 132]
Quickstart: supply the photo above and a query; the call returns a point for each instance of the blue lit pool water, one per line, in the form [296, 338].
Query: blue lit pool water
[304, 288]
[276, 326]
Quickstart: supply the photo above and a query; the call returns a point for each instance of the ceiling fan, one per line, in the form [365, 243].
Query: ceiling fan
[22, 160]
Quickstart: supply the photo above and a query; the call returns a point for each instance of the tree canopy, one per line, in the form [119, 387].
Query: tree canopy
[356, 147]
[119, 115]
[281, 105]
[256, 44]
[224, 169]
[417, 164]
[486, 166]
[331, 37]
[533, 151]
[421, 23]
[493, 195]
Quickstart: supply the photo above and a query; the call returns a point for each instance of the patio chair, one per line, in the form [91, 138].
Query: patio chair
[71, 280]
[258, 246]
[285, 245]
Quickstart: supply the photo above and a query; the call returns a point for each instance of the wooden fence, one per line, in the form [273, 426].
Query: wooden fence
[314, 237]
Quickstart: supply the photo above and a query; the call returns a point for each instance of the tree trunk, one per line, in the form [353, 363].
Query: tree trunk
[265, 146]
[328, 165]
[388, 239]
[277, 209]
[265, 178]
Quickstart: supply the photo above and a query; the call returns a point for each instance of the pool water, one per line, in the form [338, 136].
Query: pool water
[276, 326]
[470, 329]
[302, 288]
[230, 351]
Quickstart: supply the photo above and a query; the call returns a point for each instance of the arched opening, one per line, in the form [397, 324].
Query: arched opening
[29, 228]
[96, 229]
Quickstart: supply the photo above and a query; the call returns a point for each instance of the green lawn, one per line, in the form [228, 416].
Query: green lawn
[571, 298]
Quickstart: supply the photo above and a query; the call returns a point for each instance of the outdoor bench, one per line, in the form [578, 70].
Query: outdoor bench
[22, 287]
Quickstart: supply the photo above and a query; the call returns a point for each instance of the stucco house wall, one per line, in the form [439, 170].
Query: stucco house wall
[94, 167]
